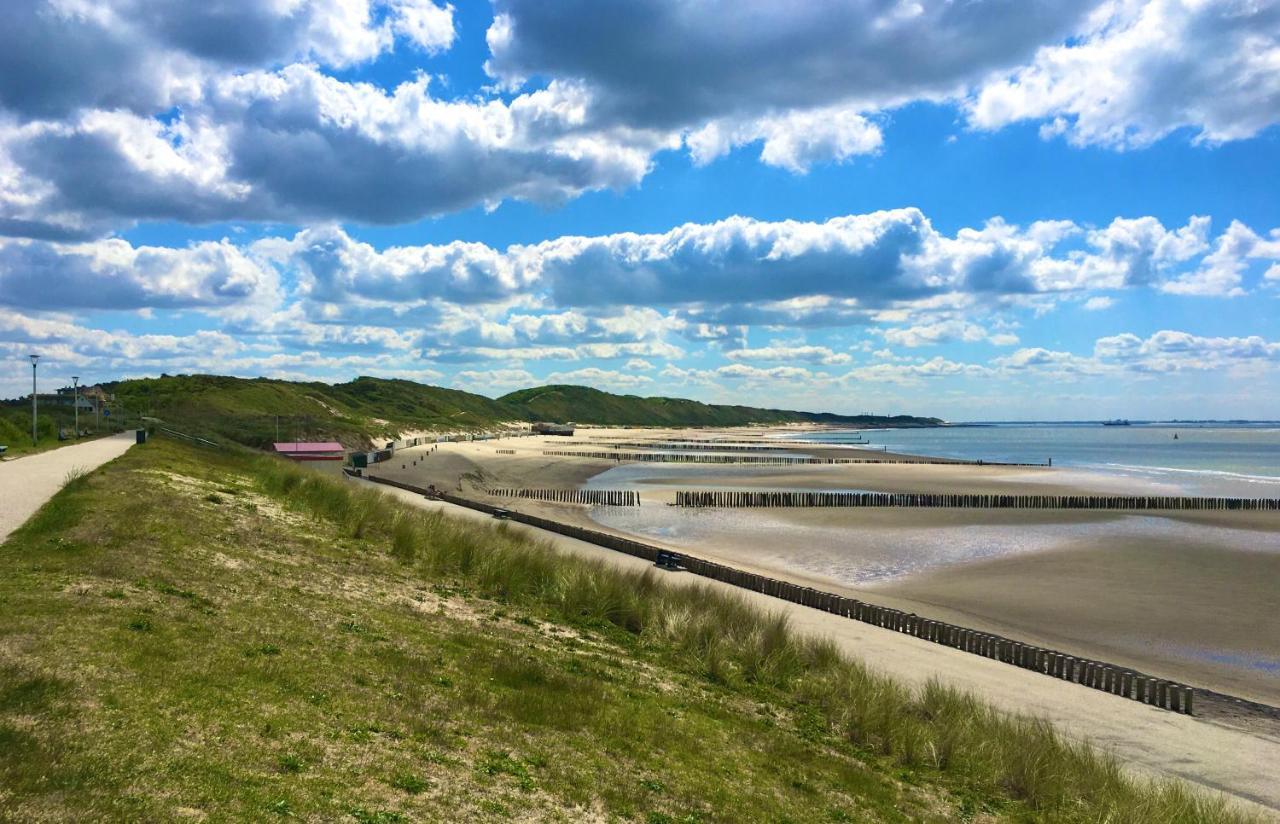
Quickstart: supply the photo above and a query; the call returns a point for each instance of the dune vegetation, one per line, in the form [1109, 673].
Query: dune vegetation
[256, 411]
[15, 427]
[194, 635]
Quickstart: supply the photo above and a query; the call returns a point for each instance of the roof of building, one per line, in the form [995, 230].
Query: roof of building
[308, 446]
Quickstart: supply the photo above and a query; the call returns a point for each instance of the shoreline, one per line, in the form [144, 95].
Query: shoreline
[1166, 604]
[1233, 474]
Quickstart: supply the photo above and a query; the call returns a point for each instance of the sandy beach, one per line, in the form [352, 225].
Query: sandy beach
[1189, 597]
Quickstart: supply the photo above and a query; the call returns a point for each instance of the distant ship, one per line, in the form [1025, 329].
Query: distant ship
[1117, 422]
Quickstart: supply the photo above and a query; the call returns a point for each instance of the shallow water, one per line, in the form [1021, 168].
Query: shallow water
[868, 555]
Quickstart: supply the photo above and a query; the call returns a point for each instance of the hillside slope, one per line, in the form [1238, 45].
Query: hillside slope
[582, 404]
[253, 411]
[209, 635]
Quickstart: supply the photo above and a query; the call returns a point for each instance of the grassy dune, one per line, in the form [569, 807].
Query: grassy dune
[246, 411]
[186, 635]
[584, 404]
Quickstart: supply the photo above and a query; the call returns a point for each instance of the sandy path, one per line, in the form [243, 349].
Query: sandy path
[1147, 740]
[26, 483]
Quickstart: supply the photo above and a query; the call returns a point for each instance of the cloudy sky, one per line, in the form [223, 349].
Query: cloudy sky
[991, 209]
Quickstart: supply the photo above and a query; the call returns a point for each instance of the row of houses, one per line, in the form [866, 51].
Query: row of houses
[87, 398]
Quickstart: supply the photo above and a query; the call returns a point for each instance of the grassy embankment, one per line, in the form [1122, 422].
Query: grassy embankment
[248, 411]
[15, 428]
[191, 635]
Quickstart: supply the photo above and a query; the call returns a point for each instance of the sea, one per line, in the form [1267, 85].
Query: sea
[1198, 458]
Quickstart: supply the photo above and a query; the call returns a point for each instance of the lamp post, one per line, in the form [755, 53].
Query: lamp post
[34, 439]
[75, 401]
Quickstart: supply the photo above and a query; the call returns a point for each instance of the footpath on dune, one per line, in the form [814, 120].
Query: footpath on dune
[1145, 739]
[28, 482]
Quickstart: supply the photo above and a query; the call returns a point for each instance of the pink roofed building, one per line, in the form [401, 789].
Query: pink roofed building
[310, 450]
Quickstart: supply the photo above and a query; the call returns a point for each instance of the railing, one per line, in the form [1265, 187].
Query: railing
[172, 433]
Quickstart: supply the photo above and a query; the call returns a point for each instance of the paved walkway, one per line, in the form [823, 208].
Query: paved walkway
[26, 483]
[1147, 740]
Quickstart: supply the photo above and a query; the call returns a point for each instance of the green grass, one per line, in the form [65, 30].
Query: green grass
[15, 427]
[583, 404]
[303, 649]
[245, 411]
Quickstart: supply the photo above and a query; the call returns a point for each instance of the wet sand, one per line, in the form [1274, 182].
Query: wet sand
[1192, 597]
[1207, 614]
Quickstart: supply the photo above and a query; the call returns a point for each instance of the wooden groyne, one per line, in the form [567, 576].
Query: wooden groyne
[766, 460]
[597, 497]
[1099, 675]
[690, 446]
[1122, 503]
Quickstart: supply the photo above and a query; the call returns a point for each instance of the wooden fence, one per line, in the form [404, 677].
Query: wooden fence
[598, 497]
[764, 498]
[1120, 681]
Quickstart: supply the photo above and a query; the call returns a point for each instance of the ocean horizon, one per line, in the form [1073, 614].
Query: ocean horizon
[1205, 458]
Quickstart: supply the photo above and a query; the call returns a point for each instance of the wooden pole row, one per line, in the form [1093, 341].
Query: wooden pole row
[688, 446]
[1120, 681]
[598, 497]
[771, 460]
[766, 498]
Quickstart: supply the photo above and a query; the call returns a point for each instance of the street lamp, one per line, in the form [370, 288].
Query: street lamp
[34, 440]
[75, 401]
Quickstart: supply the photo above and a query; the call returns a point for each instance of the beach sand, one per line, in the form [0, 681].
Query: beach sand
[1191, 598]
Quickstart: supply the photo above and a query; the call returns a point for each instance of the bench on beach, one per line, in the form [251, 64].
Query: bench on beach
[670, 561]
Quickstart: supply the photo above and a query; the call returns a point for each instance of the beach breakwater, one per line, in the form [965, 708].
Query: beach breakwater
[765, 460]
[1099, 675]
[1130, 503]
[686, 446]
[597, 497]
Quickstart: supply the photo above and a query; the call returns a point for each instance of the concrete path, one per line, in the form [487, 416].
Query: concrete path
[26, 483]
[1147, 740]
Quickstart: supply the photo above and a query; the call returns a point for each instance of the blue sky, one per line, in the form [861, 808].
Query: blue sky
[995, 209]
